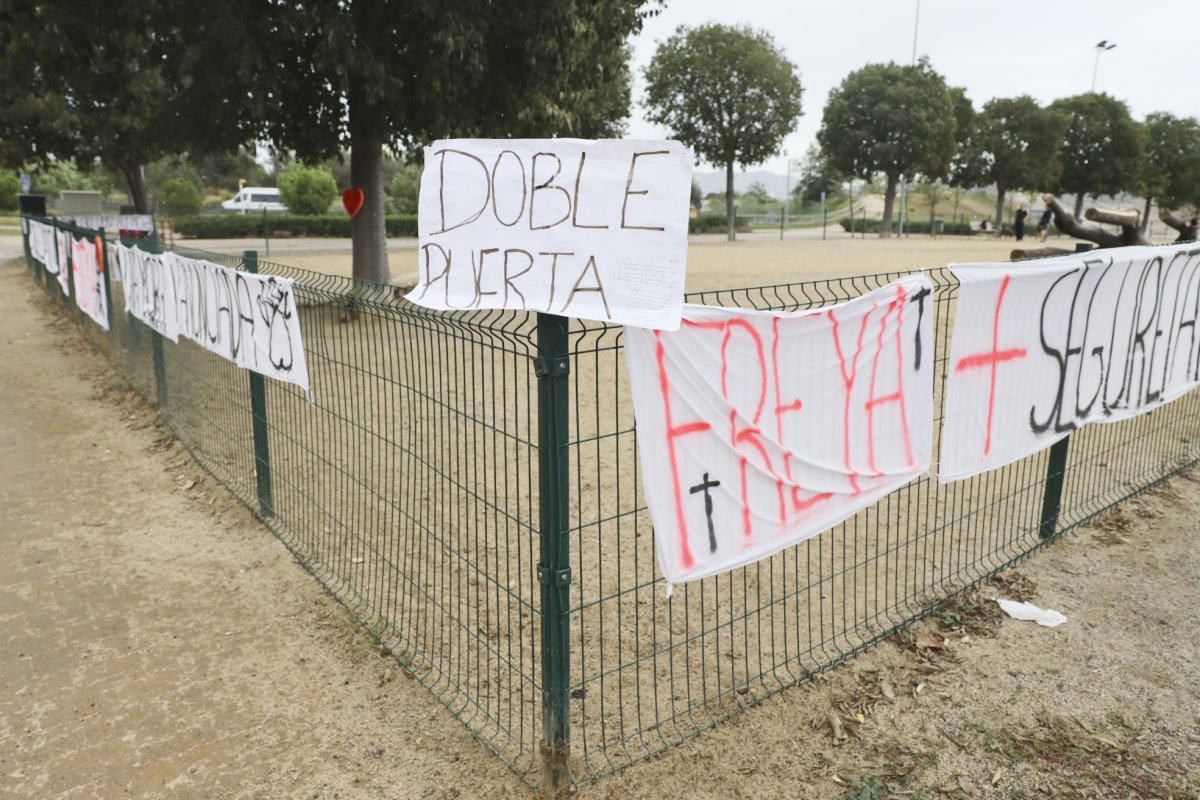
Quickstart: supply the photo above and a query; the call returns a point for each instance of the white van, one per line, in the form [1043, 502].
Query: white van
[255, 198]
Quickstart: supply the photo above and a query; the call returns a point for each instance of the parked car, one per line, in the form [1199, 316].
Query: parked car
[255, 198]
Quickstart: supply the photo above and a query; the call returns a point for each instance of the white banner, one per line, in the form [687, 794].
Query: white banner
[62, 242]
[1041, 348]
[759, 430]
[113, 223]
[42, 245]
[87, 266]
[149, 290]
[247, 318]
[589, 229]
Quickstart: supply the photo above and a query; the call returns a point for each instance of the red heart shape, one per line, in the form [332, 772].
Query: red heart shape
[352, 199]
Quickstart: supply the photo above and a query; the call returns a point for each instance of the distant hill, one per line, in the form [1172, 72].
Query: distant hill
[715, 181]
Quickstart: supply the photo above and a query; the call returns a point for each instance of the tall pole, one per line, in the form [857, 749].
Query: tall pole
[787, 193]
[1101, 47]
[916, 26]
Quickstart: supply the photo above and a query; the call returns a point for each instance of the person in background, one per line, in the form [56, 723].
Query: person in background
[1019, 225]
[1044, 224]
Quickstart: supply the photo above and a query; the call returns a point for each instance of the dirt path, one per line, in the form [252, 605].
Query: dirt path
[155, 641]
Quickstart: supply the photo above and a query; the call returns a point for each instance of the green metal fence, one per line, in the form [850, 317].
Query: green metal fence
[468, 485]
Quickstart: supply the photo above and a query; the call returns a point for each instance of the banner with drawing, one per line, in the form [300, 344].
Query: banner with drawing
[1040, 349]
[758, 430]
[247, 318]
[87, 267]
[589, 229]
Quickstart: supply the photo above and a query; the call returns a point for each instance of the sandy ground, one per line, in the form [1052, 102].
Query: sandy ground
[155, 641]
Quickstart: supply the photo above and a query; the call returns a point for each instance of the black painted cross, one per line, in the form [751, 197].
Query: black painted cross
[708, 508]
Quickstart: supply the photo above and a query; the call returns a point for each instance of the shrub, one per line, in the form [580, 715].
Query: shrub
[715, 223]
[179, 197]
[406, 185]
[910, 226]
[10, 187]
[246, 226]
[307, 190]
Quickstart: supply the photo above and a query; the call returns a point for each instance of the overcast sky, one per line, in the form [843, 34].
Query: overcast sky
[1046, 50]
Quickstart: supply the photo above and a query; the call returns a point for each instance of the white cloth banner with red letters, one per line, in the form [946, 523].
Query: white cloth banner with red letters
[758, 430]
[87, 268]
[1042, 348]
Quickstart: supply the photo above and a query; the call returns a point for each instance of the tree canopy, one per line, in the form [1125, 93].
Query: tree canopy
[1101, 149]
[122, 83]
[726, 92]
[1171, 169]
[370, 74]
[901, 121]
[1014, 143]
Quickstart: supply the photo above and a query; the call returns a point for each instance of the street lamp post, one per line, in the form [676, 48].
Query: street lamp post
[1102, 46]
[787, 199]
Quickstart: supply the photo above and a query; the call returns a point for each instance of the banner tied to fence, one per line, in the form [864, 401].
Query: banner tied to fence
[114, 222]
[1042, 348]
[249, 319]
[589, 229]
[87, 267]
[758, 430]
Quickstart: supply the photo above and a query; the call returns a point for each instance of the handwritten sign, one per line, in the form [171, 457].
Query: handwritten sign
[1041, 349]
[86, 267]
[41, 245]
[759, 430]
[149, 289]
[589, 229]
[249, 319]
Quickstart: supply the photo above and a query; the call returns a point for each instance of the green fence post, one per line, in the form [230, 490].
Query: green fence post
[258, 414]
[552, 366]
[1056, 471]
[107, 281]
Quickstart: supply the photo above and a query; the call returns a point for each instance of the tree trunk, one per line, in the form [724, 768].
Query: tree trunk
[1001, 191]
[368, 228]
[1078, 205]
[1146, 216]
[1099, 236]
[368, 232]
[889, 200]
[136, 186]
[729, 215]
[1188, 227]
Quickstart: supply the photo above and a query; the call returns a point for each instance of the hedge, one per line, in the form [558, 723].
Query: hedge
[910, 226]
[247, 226]
[715, 223]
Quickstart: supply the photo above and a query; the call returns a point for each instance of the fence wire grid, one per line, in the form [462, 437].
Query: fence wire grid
[436, 469]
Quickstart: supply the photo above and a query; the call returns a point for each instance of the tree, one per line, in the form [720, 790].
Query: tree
[1101, 149]
[10, 187]
[179, 197]
[370, 74]
[817, 175]
[897, 120]
[1013, 143]
[122, 83]
[697, 197]
[728, 93]
[307, 190]
[1171, 169]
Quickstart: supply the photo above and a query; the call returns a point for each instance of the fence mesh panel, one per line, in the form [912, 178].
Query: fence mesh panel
[407, 483]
